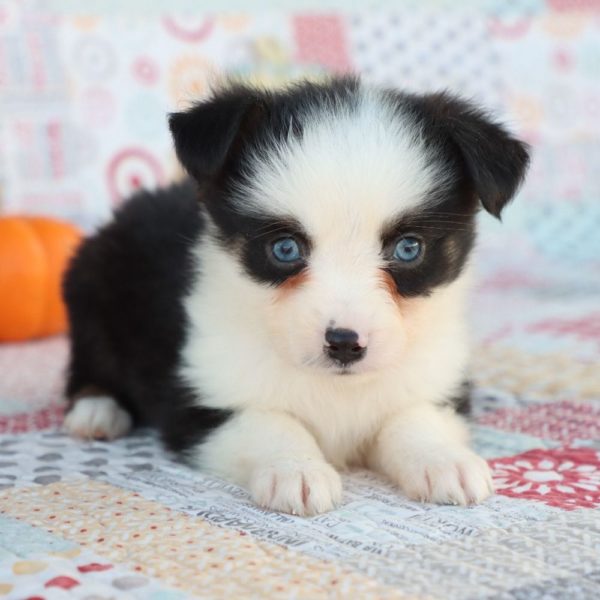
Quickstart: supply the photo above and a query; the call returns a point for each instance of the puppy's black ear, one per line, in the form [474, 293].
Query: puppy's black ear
[205, 135]
[495, 161]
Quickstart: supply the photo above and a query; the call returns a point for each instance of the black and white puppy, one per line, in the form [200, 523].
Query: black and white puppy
[299, 307]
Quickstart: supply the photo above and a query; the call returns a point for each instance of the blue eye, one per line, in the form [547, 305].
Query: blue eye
[407, 249]
[286, 250]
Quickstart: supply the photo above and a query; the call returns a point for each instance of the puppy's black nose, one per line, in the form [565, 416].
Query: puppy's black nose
[342, 346]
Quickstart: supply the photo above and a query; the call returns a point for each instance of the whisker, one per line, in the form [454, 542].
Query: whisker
[436, 220]
[450, 214]
[439, 222]
[186, 238]
[446, 229]
[267, 232]
[311, 362]
[441, 218]
[276, 225]
[441, 215]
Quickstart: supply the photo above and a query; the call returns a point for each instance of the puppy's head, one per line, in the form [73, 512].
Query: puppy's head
[348, 208]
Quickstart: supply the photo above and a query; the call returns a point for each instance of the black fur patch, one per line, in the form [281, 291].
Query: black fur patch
[461, 401]
[252, 237]
[484, 162]
[447, 232]
[470, 143]
[214, 137]
[124, 292]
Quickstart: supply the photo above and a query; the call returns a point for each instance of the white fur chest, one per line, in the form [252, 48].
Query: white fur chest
[231, 361]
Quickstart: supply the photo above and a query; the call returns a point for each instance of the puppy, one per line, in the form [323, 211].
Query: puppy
[297, 306]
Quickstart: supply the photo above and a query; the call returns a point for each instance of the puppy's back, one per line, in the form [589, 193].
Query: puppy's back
[124, 294]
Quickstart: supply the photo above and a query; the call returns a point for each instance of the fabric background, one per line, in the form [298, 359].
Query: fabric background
[84, 92]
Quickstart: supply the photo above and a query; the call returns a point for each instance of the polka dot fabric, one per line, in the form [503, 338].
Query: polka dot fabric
[76, 573]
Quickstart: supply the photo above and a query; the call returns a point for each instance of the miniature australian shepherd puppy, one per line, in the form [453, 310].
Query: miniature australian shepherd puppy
[298, 305]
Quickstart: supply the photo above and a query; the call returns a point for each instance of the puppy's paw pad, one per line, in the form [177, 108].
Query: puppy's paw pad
[456, 477]
[297, 486]
[97, 418]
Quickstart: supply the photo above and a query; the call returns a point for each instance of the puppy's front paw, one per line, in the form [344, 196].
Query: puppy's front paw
[97, 418]
[457, 476]
[297, 486]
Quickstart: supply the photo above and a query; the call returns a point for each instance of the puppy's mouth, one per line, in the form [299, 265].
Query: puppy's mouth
[344, 370]
[336, 368]
[331, 367]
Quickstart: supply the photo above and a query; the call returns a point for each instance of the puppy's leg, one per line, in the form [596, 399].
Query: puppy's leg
[424, 450]
[276, 459]
[97, 417]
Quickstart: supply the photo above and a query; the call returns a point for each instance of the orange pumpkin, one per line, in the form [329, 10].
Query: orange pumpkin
[34, 252]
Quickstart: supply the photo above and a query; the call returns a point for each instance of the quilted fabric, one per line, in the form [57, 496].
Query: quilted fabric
[83, 97]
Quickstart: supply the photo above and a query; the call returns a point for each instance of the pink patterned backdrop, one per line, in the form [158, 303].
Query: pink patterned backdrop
[84, 94]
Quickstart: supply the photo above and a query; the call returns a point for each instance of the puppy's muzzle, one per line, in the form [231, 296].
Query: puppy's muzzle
[341, 345]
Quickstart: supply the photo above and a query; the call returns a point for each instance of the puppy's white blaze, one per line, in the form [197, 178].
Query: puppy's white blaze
[350, 170]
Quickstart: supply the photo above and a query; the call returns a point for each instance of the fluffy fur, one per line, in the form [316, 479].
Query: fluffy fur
[183, 317]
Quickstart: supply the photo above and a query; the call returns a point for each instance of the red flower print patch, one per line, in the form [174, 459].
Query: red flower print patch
[567, 478]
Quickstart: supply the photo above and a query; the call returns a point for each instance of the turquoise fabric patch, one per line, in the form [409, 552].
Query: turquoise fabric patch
[23, 540]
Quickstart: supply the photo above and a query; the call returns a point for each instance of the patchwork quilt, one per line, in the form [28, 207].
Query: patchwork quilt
[125, 520]
[84, 89]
